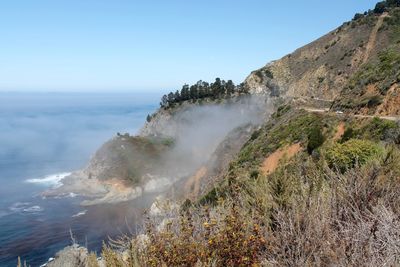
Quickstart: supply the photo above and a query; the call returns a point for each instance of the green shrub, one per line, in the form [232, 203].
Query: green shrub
[358, 16]
[254, 174]
[393, 3]
[380, 7]
[168, 141]
[377, 128]
[255, 134]
[246, 154]
[269, 74]
[351, 153]
[315, 139]
[347, 135]
[281, 111]
[210, 198]
[374, 101]
[133, 175]
[259, 74]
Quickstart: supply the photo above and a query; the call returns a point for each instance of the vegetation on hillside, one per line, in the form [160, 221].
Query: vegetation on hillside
[381, 75]
[315, 139]
[386, 71]
[368, 86]
[383, 6]
[353, 152]
[129, 157]
[380, 7]
[339, 206]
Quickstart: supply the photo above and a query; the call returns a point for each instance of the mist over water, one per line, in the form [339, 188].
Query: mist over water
[44, 136]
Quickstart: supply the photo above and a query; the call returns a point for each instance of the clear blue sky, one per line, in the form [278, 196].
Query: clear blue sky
[87, 45]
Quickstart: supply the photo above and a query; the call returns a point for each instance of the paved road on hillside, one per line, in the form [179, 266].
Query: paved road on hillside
[326, 110]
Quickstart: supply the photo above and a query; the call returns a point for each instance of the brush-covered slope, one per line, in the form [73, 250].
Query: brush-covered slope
[332, 200]
[355, 67]
[322, 68]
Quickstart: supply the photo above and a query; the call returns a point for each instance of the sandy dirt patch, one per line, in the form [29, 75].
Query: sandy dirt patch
[372, 37]
[271, 163]
[339, 131]
[192, 186]
[391, 103]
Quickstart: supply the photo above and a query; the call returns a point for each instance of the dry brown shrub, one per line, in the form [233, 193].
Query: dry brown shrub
[218, 237]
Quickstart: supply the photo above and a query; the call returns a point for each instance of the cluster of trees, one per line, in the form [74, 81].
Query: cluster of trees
[200, 90]
[380, 7]
[315, 139]
[384, 5]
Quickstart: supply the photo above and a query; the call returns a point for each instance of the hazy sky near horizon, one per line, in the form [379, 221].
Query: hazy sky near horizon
[99, 45]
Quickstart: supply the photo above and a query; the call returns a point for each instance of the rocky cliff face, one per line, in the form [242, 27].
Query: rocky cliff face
[163, 123]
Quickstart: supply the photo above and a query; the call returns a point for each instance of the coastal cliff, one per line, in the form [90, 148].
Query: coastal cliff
[308, 156]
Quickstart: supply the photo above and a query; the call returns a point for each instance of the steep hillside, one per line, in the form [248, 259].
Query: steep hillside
[332, 200]
[322, 68]
[354, 68]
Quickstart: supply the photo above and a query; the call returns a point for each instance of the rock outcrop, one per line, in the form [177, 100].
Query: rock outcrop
[71, 256]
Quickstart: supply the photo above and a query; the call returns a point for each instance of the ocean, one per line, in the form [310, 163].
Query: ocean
[43, 138]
